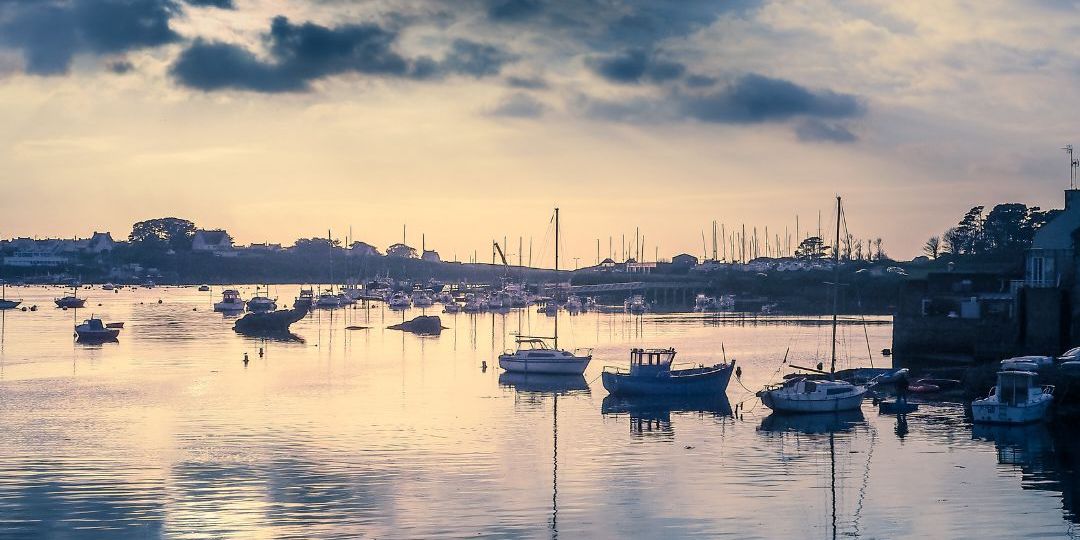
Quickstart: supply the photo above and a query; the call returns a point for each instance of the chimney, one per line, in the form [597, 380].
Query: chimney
[1072, 198]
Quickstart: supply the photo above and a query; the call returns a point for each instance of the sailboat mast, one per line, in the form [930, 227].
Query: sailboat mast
[555, 297]
[836, 285]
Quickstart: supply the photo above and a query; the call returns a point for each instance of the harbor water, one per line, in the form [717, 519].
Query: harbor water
[376, 433]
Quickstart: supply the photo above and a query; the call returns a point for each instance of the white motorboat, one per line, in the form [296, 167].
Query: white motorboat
[261, 304]
[636, 305]
[806, 395]
[421, 299]
[108, 287]
[451, 307]
[328, 300]
[534, 356]
[230, 301]
[93, 330]
[473, 304]
[573, 304]
[399, 300]
[1016, 399]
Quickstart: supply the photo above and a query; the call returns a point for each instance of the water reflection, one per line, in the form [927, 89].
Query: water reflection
[813, 423]
[544, 384]
[651, 415]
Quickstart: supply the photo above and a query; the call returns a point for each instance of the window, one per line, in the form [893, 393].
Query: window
[1035, 270]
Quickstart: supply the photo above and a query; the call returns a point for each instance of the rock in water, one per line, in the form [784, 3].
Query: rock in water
[268, 324]
[430, 325]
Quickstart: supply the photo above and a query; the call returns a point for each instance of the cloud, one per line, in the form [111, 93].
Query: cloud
[519, 105]
[302, 53]
[755, 98]
[50, 33]
[220, 4]
[812, 130]
[528, 83]
[513, 10]
[475, 59]
[635, 66]
[120, 67]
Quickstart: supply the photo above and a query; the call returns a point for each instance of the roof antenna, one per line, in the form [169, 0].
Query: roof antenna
[1073, 164]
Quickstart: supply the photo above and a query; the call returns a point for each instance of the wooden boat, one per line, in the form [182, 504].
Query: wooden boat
[651, 373]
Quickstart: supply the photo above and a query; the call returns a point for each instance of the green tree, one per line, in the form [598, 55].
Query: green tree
[163, 233]
[401, 251]
[812, 248]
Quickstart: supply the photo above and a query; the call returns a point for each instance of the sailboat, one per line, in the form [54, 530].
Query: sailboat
[804, 395]
[71, 301]
[262, 304]
[534, 356]
[4, 302]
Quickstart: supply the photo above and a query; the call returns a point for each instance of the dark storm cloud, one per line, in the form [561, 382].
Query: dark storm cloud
[755, 98]
[221, 4]
[634, 66]
[302, 53]
[50, 33]
[750, 99]
[120, 67]
[519, 105]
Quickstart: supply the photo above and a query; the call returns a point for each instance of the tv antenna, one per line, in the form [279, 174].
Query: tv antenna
[1073, 165]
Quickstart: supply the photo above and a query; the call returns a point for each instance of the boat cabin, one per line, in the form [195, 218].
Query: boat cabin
[93, 324]
[651, 361]
[1015, 387]
[536, 348]
[230, 296]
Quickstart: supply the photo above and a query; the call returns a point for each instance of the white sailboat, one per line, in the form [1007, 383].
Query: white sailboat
[533, 355]
[803, 395]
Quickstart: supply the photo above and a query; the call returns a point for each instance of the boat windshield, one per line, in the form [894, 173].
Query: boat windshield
[651, 357]
[532, 343]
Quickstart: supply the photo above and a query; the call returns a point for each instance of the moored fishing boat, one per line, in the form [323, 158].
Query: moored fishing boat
[94, 330]
[651, 373]
[230, 301]
[1016, 399]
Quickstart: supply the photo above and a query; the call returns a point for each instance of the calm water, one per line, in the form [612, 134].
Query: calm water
[377, 433]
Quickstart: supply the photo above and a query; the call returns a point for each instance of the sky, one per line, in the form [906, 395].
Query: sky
[468, 121]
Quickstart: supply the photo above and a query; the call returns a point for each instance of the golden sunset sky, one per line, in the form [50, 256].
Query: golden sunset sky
[469, 120]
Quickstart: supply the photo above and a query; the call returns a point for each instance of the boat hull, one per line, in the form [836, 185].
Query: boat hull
[95, 336]
[697, 381]
[570, 365]
[9, 304]
[780, 401]
[992, 412]
[228, 307]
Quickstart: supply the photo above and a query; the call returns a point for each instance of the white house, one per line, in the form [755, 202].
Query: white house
[1050, 259]
[214, 241]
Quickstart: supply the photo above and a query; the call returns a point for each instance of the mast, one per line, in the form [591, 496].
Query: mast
[556, 295]
[836, 286]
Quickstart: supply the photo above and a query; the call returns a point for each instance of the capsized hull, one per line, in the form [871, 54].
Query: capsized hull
[781, 401]
[569, 365]
[696, 381]
[992, 412]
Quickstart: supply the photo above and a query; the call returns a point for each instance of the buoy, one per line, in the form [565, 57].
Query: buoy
[260, 352]
[159, 300]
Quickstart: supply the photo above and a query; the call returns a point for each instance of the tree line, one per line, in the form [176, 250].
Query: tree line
[1003, 232]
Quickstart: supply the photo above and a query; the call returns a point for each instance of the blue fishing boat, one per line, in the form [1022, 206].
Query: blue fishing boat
[651, 373]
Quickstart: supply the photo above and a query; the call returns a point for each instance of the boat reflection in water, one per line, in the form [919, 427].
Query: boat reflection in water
[1048, 460]
[813, 423]
[652, 414]
[538, 383]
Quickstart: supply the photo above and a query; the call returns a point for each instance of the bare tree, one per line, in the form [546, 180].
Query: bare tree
[932, 247]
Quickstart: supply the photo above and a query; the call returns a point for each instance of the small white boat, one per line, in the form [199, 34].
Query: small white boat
[804, 395]
[328, 300]
[204, 288]
[1016, 399]
[399, 300]
[451, 307]
[534, 356]
[573, 304]
[261, 304]
[108, 287]
[230, 301]
[93, 330]
[421, 299]
[636, 305]
[473, 304]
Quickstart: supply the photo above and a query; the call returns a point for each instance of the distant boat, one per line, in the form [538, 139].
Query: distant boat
[72, 301]
[651, 373]
[230, 301]
[204, 288]
[93, 330]
[262, 303]
[421, 299]
[451, 306]
[1015, 400]
[399, 300]
[108, 287]
[149, 284]
[305, 300]
[636, 305]
[328, 300]
[4, 302]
